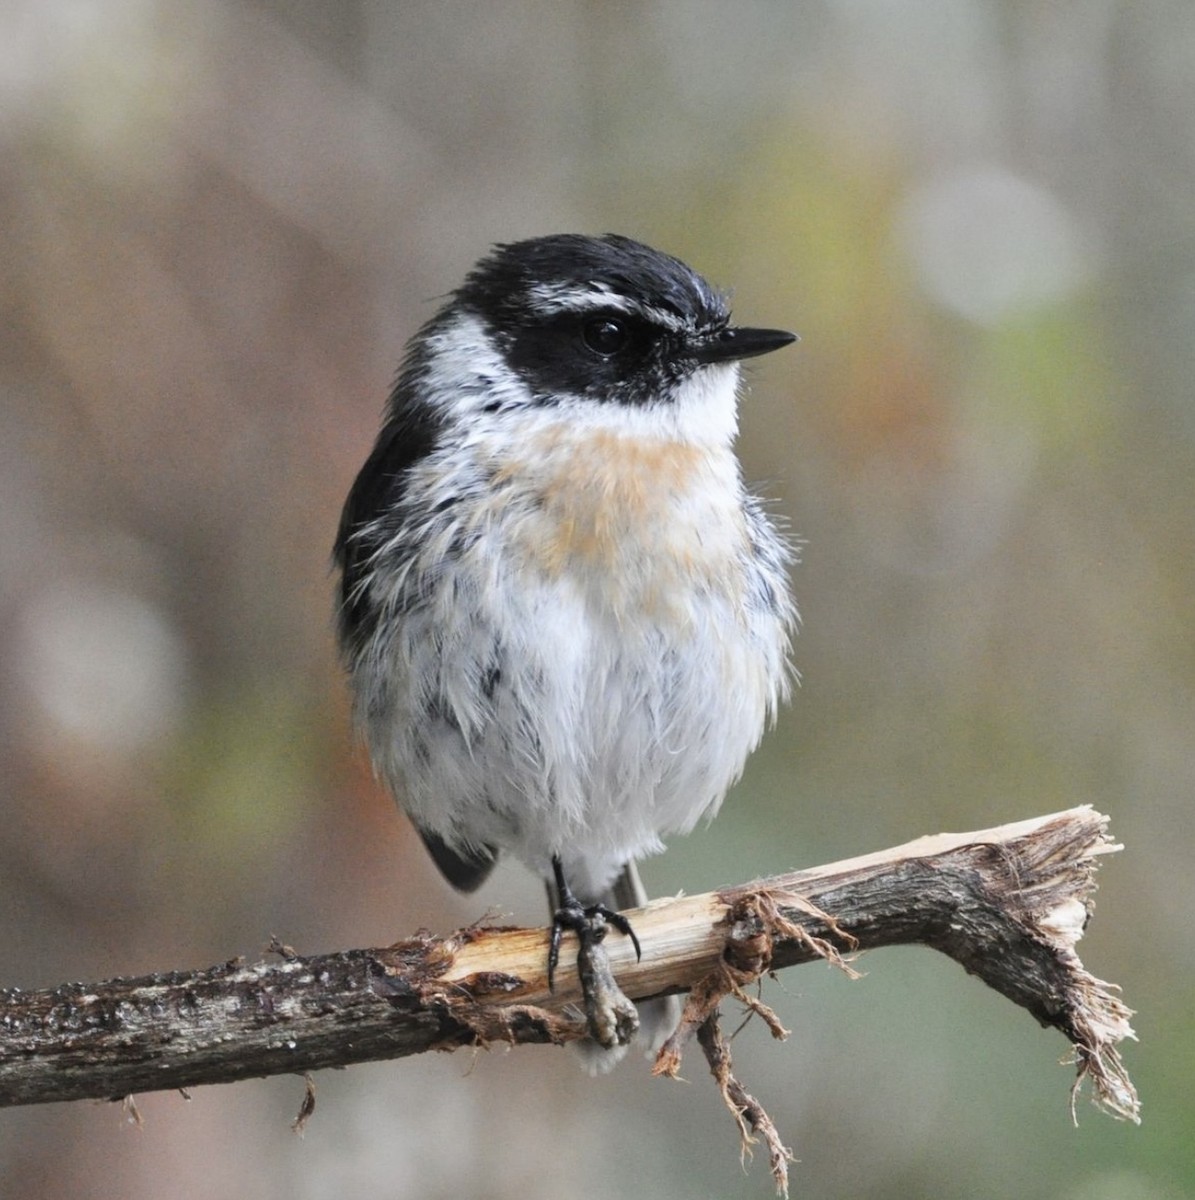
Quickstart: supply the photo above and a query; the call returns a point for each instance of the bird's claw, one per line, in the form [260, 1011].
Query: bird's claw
[612, 1019]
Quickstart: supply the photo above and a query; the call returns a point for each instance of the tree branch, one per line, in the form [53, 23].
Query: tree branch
[1007, 903]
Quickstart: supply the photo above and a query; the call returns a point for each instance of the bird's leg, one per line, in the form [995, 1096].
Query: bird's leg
[584, 922]
[612, 1018]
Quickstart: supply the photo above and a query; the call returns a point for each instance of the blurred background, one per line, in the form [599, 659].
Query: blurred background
[221, 222]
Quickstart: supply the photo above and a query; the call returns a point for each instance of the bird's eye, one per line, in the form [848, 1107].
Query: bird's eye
[606, 335]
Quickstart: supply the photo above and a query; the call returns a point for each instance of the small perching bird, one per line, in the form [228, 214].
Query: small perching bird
[566, 622]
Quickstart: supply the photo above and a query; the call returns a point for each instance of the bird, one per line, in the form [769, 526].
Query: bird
[566, 621]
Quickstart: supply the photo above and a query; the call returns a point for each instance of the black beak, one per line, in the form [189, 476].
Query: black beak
[729, 345]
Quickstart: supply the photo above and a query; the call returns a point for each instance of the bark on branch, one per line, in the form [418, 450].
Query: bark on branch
[1007, 903]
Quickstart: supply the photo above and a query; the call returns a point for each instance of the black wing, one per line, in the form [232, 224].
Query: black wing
[408, 435]
[466, 872]
[374, 505]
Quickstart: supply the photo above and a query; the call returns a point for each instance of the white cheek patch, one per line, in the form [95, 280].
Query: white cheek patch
[467, 373]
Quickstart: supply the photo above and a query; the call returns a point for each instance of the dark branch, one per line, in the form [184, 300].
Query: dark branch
[1007, 903]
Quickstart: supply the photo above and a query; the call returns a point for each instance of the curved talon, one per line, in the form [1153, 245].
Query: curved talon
[589, 924]
[620, 923]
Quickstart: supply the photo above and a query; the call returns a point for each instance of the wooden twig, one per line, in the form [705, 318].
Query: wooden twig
[1008, 904]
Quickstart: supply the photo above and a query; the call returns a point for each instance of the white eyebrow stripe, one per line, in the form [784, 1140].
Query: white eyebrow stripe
[663, 318]
[552, 298]
[568, 297]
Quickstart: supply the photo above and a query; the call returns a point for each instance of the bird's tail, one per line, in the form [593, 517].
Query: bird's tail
[657, 1017]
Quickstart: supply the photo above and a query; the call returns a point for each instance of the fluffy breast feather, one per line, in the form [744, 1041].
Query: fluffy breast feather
[641, 526]
[588, 634]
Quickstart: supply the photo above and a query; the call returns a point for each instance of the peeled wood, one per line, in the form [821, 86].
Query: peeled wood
[1007, 903]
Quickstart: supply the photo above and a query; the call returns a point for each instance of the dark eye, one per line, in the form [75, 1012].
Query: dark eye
[606, 335]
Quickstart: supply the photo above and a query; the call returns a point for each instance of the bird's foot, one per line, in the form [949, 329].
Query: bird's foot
[612, 1019]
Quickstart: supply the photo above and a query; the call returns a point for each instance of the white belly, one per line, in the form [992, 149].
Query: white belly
[592, 669]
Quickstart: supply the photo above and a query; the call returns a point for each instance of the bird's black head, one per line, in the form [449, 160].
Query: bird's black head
[605, 318]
